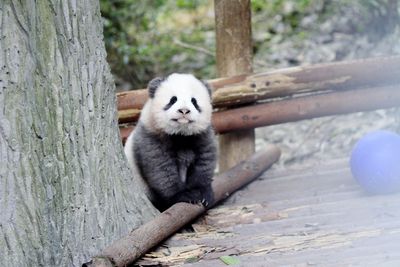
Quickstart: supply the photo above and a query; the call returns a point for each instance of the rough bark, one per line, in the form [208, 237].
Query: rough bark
[65, 190]
[234, 57]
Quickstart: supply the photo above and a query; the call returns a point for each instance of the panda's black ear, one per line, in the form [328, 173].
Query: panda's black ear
[153, 85]
[207, 85]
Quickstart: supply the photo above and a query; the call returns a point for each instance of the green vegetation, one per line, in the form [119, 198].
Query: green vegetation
[149, 38]
[156, 37]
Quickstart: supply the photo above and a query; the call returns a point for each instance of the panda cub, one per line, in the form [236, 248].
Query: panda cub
[172, 150]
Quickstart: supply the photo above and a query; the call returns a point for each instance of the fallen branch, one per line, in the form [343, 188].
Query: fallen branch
[128, 249]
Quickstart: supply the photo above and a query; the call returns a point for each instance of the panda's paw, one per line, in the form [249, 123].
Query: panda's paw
[207, 197]
[196, 196]
[188, 196]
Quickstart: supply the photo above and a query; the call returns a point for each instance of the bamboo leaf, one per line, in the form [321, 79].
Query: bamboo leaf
[229, 260]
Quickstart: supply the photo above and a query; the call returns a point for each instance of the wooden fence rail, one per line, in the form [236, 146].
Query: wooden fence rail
[339, 76]
[307, 107]
[291, 94]
[299, 108]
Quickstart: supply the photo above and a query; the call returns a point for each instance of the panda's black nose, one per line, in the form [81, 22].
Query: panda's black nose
[184, 111]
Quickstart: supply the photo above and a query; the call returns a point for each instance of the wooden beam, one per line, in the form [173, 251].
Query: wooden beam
[132, 99]
[311, 79]
[300, 108]
[307, 107]
[234, 57]
[128, 115]
[243, 89]
[126, 250]
[124, 132]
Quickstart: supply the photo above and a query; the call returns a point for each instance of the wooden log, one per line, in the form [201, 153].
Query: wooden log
[128, 115]
[124, 132]
[345, 75]
[307, 107]
[328, 77]
[300, 108]
[132, 99]
[127, 249]
[234, 57]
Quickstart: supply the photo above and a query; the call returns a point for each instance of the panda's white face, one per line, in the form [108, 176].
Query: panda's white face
[181, 105]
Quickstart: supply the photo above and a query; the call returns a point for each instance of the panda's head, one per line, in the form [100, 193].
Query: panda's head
[178, 104]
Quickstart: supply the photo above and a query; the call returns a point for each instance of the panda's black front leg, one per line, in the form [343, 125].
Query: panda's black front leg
[199, 172]
[198, 184]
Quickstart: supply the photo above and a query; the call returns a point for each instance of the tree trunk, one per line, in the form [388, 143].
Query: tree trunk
[65, 190]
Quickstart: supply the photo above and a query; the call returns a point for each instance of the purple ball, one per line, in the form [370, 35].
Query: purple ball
[375, 162]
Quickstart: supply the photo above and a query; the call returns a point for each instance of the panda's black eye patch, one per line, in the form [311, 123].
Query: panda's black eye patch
[171, 102]
[194, 102]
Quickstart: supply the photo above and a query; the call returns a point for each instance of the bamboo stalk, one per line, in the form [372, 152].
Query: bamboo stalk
[338, 76]
[129, 248]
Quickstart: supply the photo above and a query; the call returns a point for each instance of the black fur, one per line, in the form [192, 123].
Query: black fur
[153, 85]
[171, 102]
[194, 102]
[164, 160]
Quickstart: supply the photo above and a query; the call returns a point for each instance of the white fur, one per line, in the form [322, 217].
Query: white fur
[184, 87]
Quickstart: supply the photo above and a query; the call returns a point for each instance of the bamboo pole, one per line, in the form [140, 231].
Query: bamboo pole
[336, 76]
[300, 108]
[129, 248]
